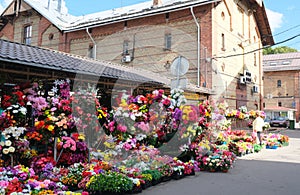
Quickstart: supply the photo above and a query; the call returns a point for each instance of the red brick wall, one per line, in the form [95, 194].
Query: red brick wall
[7, 31]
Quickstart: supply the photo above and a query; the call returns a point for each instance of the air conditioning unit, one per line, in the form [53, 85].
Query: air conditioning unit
[242, 80]
[247, 75]
[126, 58]
[255, 89]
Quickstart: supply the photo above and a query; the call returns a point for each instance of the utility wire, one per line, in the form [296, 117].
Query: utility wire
[287, 30]
[234, 55]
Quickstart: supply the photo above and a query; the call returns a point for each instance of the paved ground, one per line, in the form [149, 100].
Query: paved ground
[270, 172]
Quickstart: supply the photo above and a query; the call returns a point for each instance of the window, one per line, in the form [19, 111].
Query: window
[279, 104]
[168, 41]
[254, 59]
[27, 35]
[167, 16]
[125, 47]
[223, 15]
[91, 51]
[223, 42]
[278, 83]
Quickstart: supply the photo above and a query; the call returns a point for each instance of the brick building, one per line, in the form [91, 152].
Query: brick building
[282, 83]
[221, 41]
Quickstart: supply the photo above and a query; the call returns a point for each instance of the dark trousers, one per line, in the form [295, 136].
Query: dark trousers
[259, 137]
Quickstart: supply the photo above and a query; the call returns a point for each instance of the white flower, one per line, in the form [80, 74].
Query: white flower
[54, 89]
[7, 143]
[23, 110]
[11, 149]
[2, 143]
[15, 106]
[5, 151]
[15, 111]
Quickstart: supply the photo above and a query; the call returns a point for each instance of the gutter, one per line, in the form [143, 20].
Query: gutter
[198, 46]
[163, 10]
[94, 43]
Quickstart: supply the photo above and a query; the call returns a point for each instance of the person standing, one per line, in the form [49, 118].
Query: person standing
[258, 125]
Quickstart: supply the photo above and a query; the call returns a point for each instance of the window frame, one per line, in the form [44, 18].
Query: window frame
[168, 41]
[27, 34]
[279, 84]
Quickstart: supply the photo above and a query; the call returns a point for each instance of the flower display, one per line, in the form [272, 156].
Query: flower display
[58, 141]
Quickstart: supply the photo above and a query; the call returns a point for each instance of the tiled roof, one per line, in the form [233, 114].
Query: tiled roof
[55, 60]
[279, 108]
[281, 62]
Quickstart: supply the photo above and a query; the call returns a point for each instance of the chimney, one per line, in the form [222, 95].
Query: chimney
[157, 3]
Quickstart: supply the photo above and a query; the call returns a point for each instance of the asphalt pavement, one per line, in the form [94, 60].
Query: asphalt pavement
[269, 172]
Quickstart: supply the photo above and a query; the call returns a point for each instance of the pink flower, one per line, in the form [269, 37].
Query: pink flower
[122, 128]
[144, 126]
[127, 146]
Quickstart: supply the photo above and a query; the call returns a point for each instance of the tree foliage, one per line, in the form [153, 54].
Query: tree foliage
[279, 49]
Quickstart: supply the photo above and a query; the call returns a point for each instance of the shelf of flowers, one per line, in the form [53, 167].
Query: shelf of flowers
[58, 145]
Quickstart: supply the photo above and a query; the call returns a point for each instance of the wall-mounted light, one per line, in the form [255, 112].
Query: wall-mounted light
[167, 65]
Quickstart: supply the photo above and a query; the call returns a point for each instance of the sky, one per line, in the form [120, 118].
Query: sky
[283, 15]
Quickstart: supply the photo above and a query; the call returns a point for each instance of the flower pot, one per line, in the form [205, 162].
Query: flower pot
[190, 174]
[166, 178]
[225, 170]
[146, 185]
[271, 147]
[135, 190]
[177, 175]
[155, 181]
[212, 170]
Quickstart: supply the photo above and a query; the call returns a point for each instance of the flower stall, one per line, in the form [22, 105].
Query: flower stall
[67, 143]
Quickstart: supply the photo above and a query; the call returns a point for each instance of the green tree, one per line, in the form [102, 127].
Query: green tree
[279, 49]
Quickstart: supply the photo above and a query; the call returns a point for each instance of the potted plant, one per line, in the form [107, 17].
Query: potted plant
[156, 176]
[109, 183]
[147, 180]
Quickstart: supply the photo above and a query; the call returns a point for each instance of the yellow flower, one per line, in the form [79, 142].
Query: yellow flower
[50, 127]
[81, 136]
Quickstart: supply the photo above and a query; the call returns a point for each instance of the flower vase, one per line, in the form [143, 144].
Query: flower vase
[212, 170]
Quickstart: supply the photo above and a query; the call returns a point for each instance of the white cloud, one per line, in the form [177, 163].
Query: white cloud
[275, 19]
[4, 4]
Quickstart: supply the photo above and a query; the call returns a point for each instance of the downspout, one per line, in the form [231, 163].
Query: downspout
[198, 47]
[94, 43]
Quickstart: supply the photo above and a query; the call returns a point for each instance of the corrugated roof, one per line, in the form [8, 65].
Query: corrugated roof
[65, 21]
[46, 58]
[281, 62]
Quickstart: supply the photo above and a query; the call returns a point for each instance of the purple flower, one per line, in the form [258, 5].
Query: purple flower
[177, 115]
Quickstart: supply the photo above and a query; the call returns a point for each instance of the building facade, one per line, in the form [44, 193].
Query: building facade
[282, 83]
[220, 41]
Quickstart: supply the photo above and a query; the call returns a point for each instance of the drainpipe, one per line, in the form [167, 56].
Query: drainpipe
[95, 45]
[198, 47]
